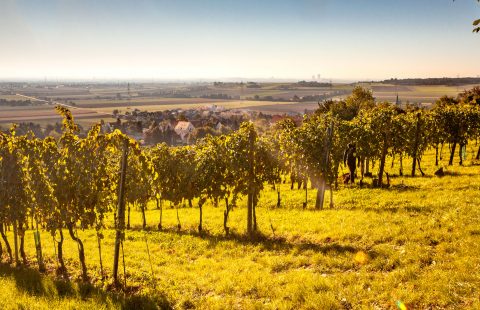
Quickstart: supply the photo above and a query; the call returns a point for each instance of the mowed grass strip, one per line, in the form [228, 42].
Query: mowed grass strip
[415, 242]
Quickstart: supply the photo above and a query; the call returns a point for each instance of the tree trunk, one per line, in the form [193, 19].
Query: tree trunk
[225, 217]
[306, 198]
[128, 216]
[15, 242]
[452, 153]
[38, 247]
[414, 166]
[179, 225]
[331, 196]
[305, 182]
[21, 235]
[200, 207]
[278, 197]
[478, 154]
[190, 205]
[159, 205]
[99, 241]
[362, 171]
[460, 152]
[62, 269]
[367, 165]
[382, 161]
[292, 179]
[144, 218]
[7, 244]
[415, 145]
[335, 168]
[400, 172]
[250, 213]
[420, 168]
[320, 194]
[436, 155]
[254, 206]
[81, 251]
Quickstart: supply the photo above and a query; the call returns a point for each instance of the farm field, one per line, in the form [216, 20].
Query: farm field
[43, 113]
[97, 102]
[230, 104]
[415, 242]
[416, 94]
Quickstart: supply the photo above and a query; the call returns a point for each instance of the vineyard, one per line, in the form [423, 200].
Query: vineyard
[219, 209]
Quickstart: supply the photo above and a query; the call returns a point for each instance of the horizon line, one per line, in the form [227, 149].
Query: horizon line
[47, 79]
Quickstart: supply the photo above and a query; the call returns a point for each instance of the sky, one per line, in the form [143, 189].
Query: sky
[256, 39]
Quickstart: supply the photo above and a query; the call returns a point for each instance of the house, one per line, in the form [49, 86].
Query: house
[106, 128]
[165, 125]
[276, 118]
[219, 126]
[183, 129]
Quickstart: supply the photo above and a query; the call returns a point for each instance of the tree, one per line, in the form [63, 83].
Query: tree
[251, 165]
[15, 193]
[476, 24]
[454, 119]
[380, 128]
[212, 172]
[159, 156]
[138, 186]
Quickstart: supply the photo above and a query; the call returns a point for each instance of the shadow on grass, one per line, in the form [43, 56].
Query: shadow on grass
[32, 282]
[393, 187]
[460, 174]
[403, 188]
[266, 242]
[412, 209]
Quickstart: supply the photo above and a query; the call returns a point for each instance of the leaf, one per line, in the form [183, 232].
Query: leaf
[477, 22]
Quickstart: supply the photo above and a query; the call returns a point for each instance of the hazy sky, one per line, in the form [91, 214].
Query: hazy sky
[339, 39]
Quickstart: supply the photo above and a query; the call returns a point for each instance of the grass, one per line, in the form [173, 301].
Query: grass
[415, 242]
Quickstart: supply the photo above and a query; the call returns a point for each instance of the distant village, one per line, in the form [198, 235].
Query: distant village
[180, 127]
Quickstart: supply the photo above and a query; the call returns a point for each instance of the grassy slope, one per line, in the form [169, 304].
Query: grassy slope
[420, 239]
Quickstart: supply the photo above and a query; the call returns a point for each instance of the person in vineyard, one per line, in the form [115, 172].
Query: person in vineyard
[350, 159]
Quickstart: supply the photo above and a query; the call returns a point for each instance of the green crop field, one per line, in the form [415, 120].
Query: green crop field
[415, 242]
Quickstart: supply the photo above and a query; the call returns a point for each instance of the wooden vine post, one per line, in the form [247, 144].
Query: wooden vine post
[416, 142]
[251, 193]
[120, 217]
[325, 168]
